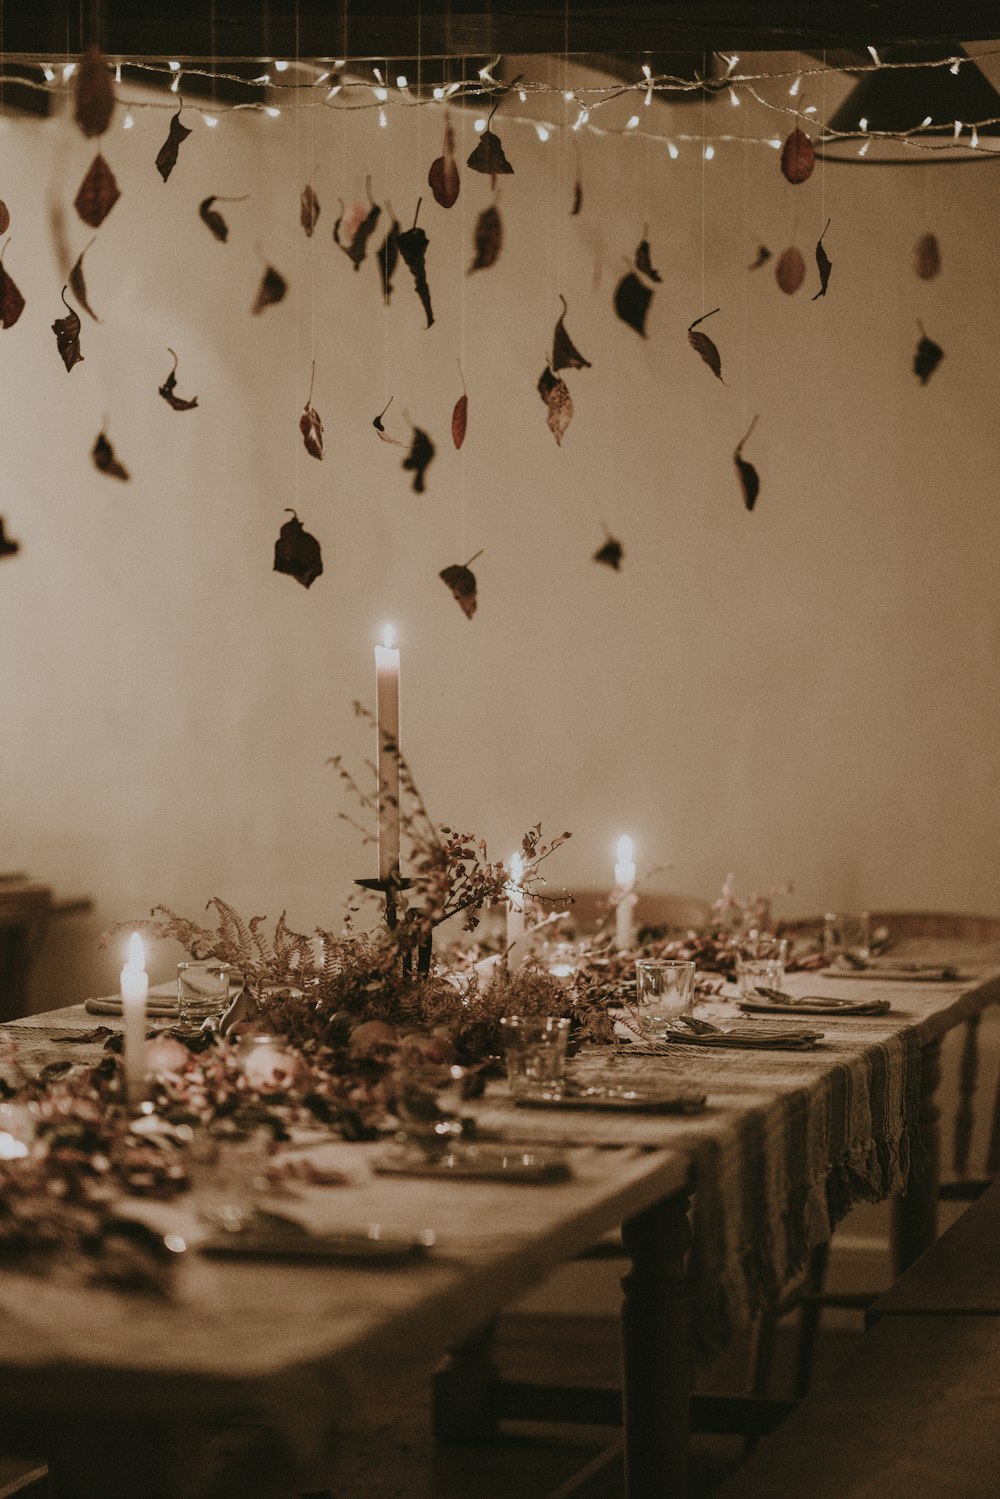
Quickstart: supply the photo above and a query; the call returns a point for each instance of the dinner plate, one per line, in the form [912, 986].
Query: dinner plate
[478, 1163]
[814, 1004]
[624, 1096]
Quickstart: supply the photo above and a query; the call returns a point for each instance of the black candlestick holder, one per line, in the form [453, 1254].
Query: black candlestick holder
[390, 888]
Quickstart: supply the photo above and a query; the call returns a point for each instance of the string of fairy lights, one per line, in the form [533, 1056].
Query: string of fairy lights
[337, 84]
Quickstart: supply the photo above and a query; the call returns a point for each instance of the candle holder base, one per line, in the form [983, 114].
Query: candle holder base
[389, 888]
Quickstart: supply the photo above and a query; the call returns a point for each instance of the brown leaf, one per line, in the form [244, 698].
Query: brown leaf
[927, 358]
[78, 285]
[462, 582]
[169, 386]
[67, 332]
[380, 429]
[644, 263]
[632, 299]
[357, 248]
[98, 193]
[703, 345]
[459, 419]
[308, 209]
[418, 458]
[103, 455]
[487, 239]
[413, 248]
[272, 288]
[213, 218]
[823, 264]
[166, 157]
[310, 425]
[4, 218]
[927, 257]
[443, 175]
[8, 547]
[763, 256]
[798, 157]
[611, 554]
[297, 553]
[749, 477]
[488, 155]
[577, 198]
[565, 354]
[95, 93]
[11, 300]
[555, 393]
[790, 272]
[388, 258]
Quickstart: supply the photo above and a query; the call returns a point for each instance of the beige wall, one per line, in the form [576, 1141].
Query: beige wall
[806, 693]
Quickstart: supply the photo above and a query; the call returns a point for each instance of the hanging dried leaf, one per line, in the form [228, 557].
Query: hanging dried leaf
[103, 455]
[309, 210]
[67, 332]
[487, 239]
[78, 285]
[272, 288]
[577, 198]
[927, 358]
[8, 548]
[790, 272]
[462, 582]
[488, 156]
[11, 300]
[169, 386]
[927, 257]
[749, 477]
[95, 93]
[555, 393]
[763, 256]
[297, 552]
[632, 299]
[213, 218]
[460, 415]
[798, 157]
[611, 553]
[4, 218]
[418, 458]
[565, 354]
[363, 226]
[388, 258]
[703, 345]
[166, 157]
[823, 264]
[310, 425]
[98, 194]
[443, 175]
[380, 429]
[413, 248]
[644, 263]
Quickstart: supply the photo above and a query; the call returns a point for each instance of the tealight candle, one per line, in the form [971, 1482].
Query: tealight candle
[515, 901]
[626, 897]
[134, 989]
[387, 757]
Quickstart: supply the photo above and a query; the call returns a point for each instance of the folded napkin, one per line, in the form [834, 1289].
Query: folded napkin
[112, 1005]
[756, 1037]
[903, 973]
[621, 1094]
[813, 1004]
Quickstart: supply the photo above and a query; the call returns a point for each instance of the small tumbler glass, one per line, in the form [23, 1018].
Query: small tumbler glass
[535, 1053]
[845, 934]
[664, 989]
[202, 991]
[753, 974]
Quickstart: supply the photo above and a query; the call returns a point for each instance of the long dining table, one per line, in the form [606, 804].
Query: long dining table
[717, 1209]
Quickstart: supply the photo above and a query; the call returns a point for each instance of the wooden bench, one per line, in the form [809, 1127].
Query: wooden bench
[959, 1276]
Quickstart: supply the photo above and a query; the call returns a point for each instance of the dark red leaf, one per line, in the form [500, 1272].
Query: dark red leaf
[459, 418]
[798, 157]
[67, 332]
[213, 218]
[643, 261]
[310, 425]
[380, 429]
[927, 358]
[11, 300]
[763, 256]
[78, 285]
[487, 239]
[611, 554]
[4, 218]
[927, 257]
[297, 553]
[357, 248]
[272, 288]
[95, 93]
[309, 209]
[418, 458]
[488, 156]
[8, 548]
[166, 157]
[443, 175]
[790, 272]
[555, 393]
[632, 299]
[577, 198]
[565, 354]
[823, 264]
[168, 387]
[749, 477]
[462, 582]
[98, 193]
[413, 248]
[103, 455]
[388, 258]
[703, 345]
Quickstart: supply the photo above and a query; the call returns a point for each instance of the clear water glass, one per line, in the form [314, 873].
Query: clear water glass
[758, 973]
[535, 1053]
[202, 990]
[664, 989]
[845, 933]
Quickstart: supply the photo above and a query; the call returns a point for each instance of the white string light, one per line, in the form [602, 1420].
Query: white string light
[383, 119]
[174, 67]
[672, 149]
[734, 98]
[176, 83]
[479, 126]
[709, 153]
[632, 122]
[210, 121]
[958, 129]
[49, 75]
[128, 121]
[796, 86]
[401, 80]
[864, 148]
[280, 65]
[272, 111]
[118, 72]
[543, 134]
[68, 71]
[974, 138]
[439, 93]
[875, 57]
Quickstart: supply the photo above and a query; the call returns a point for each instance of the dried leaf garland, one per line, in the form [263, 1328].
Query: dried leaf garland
[555, 393]
[309, 423]
[166, 157]
[790, 272]
[610, 553]
[418, 458]
[442, 179]
[78, 285]
[380, 429]
[169, 386]
[927, 357]
[4, 218]
[487, 239]
[460, 415]
[703, 345]
[213, 219]
[103, 455]
[309, 210]
[823, 264]
[927, 257]
[798, 157]
[297, 553]
[462, 581]
[388, 257]
[565, 354]
[413, 248]
[272, 288]
[643, 261]
[67, 332]
[11, 300]
[763, 256]
[8, 547]
[363, 226]
[749, 478]
[632, 299]
[98, 194]
[95, 93]
[488, 155]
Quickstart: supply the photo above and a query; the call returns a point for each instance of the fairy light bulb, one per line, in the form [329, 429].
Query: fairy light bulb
[632, 123]
[383, 119]
[958, 129]
[863, 123]
[381, 94]
[709, 153]
[731, 63]
[875, 57]
[568, 95]
[338, 63]
[581, 119]
[974, 138]
[68, 71]
[864, 148]
[927, 120]
[543, 134]
[810, 109]
[955, 65]
[280, 65]
[439, 93]
[321, 79]
[334, 91]
[734, 98]
[210, 121]
[522, 96]
[264, 78]
[672, 150]
[479, 126]
[118, 72]
[775, 145]
[401, 80]
[128, 121]
[48, 74]
[796, 86]
[176, 83]
[272, 111]
[174, 67]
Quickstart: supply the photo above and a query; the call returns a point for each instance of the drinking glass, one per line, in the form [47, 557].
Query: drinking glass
[758, 973]
[227, 1175]
[429, 1098]
[845, 934]
[664, 989]
[535, 1053]
[202, 990]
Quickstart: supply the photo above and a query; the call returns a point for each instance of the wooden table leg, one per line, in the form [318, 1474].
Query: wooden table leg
[656, 1366]
[915, 1213]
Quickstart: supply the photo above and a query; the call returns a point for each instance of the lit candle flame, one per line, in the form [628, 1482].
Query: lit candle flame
[136, 953]
[387, 637]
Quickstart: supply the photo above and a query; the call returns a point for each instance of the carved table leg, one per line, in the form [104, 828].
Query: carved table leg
[465, 1390]
[914, 1214]
[656, 1376]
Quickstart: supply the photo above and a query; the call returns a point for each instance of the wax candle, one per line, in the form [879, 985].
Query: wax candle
[515, 900]
[387, 762]
[625, 897]
[134, 988]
